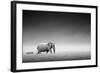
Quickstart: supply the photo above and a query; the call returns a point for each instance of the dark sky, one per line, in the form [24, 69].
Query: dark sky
[44, 19]
[59, 27]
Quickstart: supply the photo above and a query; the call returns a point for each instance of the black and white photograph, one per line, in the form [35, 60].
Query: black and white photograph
[56, 36]
[48, 36]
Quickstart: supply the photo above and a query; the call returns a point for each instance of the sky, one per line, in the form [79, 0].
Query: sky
[69, 31]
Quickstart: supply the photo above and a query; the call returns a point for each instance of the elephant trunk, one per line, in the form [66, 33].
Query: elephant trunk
[54, 49]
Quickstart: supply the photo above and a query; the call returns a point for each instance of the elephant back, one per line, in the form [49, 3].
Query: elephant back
[42, 46]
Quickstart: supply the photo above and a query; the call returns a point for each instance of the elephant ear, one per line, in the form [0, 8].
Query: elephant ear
[50, 44]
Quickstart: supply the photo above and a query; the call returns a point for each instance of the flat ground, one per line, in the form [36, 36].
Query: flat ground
[69, 55]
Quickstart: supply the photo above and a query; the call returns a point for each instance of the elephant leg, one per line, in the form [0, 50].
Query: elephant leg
[38, 52]
[47, 51]
[50, 51]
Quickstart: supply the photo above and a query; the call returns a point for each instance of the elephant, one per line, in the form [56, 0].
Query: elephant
[46, 47]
